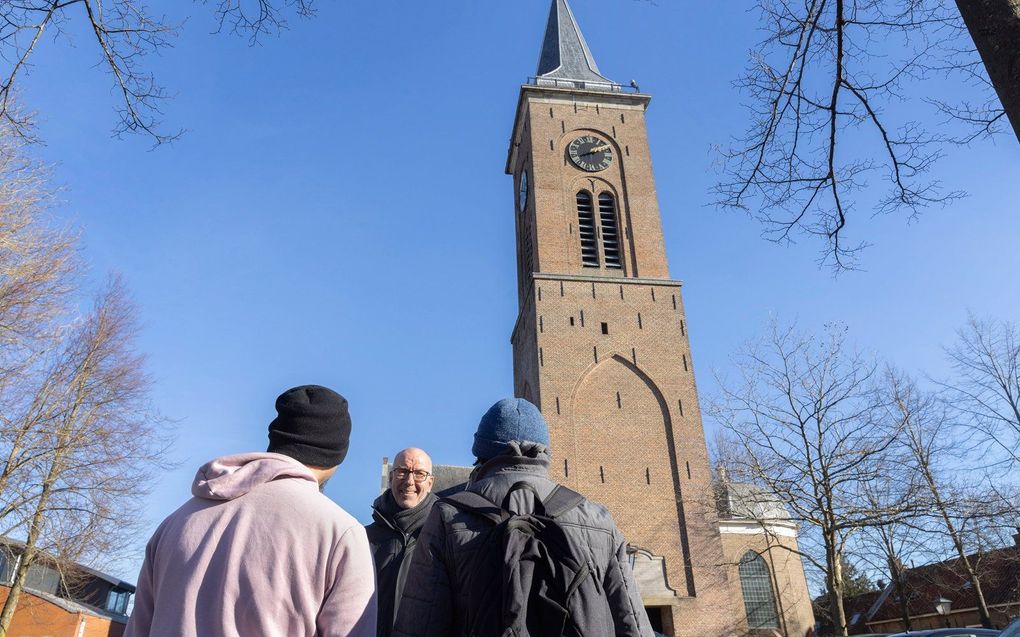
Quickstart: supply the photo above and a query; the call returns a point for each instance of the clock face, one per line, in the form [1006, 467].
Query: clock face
[522, 200]
[590, 153]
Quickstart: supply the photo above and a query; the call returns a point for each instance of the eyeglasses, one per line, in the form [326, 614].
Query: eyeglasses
[420, 475]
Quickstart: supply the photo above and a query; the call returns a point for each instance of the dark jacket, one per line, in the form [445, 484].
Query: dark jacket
[435, 603]
[393, 535]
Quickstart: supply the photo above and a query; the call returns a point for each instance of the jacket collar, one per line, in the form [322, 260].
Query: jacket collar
[529, 457]
[386, 511]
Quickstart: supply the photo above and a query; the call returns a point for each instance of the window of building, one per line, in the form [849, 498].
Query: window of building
[759, 599]
[600, 235]
[522, 194]
[117, 601]
[610, 230]
[42, 578]
[586, 229]
[525, 255]
[8, 564]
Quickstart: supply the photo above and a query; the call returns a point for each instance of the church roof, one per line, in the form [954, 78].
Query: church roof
[565, 54]
[739, 501]
[450, 478]
[997, 569]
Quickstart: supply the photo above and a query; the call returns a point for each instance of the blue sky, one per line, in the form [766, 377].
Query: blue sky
[337, 213]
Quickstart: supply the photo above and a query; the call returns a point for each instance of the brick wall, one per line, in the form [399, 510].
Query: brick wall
[779, 550]
[604, 352]
[38, 617]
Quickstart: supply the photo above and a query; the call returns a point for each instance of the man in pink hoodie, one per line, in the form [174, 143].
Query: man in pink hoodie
[260, 551]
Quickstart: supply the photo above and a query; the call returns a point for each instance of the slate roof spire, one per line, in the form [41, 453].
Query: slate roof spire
[565, 57]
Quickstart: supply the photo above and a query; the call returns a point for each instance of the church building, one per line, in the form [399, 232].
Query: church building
[601, 346]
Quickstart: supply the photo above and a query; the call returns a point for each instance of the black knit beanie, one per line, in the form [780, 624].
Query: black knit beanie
[313, 426]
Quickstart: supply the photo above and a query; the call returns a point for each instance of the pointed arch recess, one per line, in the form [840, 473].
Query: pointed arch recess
[674, 466]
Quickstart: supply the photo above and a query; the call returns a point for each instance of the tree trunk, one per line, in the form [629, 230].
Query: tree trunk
[835, 585]
[14, 594]
[995, 27]
[27, 558]
[986, 617]
[896, 572]
[61, 449]
[961, 550]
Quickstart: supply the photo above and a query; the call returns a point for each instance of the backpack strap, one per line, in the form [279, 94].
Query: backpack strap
[524, 485]
[561, 500]
[477, 504]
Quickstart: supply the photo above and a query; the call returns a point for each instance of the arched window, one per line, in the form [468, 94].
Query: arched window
[759, 599]
[610, 230]
[586, 229]
[522, 195]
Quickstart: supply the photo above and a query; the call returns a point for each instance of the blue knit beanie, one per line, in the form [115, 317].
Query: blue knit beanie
[509, 419]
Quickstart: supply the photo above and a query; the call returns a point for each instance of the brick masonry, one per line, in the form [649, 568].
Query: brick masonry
[604, 352]
[39, 617]
[779, 548]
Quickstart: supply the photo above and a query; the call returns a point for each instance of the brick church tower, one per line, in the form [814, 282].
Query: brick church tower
[600, 343]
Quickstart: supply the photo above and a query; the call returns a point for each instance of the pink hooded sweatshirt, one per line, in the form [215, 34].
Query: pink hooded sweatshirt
[258, 552]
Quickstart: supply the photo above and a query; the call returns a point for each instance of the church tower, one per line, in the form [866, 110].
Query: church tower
[601, 343]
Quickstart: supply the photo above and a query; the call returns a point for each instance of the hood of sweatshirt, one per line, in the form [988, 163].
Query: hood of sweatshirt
[231, 477]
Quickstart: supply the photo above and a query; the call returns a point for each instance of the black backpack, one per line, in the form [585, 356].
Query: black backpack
[524, 579]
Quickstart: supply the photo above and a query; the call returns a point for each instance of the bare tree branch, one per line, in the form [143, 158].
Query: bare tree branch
[818, 84]
[124, 33]
[985, 388]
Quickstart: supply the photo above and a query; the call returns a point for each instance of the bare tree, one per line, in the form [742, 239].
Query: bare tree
[78, 439]
[36, 260]
[807, 416]
[886, 548]
[96, 445]
[123, 33]
[37, 265]
[985, 390]
[928, 437]
[821, 84]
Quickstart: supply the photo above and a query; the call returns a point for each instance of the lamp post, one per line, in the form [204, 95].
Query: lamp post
[943, 606]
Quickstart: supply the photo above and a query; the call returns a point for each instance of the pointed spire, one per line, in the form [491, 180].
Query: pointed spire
[565, 54]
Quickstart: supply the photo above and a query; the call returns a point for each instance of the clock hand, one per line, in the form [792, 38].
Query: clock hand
[598, 149]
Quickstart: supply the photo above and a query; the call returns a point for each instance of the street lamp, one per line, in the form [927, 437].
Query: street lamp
[942, 607]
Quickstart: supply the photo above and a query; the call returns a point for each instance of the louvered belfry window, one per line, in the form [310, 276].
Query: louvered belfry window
[586, 229]
[600, 235]
[610, 230]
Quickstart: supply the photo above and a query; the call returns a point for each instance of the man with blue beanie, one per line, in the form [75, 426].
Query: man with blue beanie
[509, 420]
[442, 597]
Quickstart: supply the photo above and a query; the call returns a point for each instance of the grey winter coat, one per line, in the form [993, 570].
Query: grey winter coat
[435, 603]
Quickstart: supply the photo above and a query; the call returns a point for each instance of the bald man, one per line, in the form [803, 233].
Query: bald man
[398, 515]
